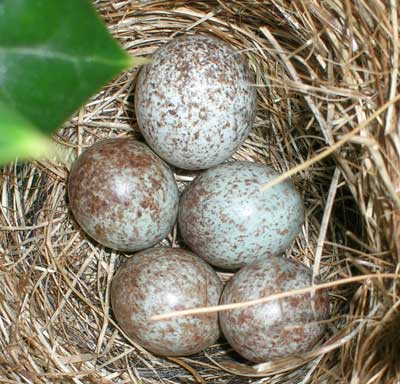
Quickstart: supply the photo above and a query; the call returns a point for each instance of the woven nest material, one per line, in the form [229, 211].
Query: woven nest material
[327, 81]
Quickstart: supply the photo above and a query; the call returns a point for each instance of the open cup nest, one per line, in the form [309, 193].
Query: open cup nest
[327, 112]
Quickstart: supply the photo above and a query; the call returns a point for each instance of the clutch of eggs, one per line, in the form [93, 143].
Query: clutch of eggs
[195, 105]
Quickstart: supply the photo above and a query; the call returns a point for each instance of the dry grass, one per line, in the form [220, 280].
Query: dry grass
[327, 80]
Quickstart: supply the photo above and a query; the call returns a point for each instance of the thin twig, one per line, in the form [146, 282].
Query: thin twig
[276, 296]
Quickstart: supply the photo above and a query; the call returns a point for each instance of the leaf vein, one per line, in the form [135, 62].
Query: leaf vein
[43, 53]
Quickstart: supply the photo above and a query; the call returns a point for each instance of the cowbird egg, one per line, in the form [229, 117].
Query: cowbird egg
[195, 102]
[123, 195]
[161, 280]
[276, 328]
[226, 219]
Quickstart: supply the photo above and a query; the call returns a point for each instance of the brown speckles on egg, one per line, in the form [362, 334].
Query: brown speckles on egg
[226, 219]
[161, 280]
[123, 195]
[197, 91]
[277, 328]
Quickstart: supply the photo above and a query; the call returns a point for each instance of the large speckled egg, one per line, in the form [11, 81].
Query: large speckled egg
[225, 218]
[123, 195]
[195, 103]
[277, 328]
[161, 280]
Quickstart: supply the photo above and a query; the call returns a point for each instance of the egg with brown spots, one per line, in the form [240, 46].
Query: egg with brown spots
[161, 280]
[277, 328]
[195, 102]
[227, 219]
[123, 195]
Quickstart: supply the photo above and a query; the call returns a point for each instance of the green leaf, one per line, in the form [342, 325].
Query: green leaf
[54, 55]
[19, 138]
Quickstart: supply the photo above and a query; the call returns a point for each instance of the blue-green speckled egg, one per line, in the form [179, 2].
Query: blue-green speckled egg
[195, 102]
[123, 195]
[226, 219]
[277, 328]
[161, 280]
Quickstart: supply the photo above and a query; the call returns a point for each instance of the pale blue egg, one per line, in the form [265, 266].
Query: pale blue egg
[227, 219]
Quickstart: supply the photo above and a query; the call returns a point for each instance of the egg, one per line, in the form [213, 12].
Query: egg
[277, 328]
[161, 280]
[123, 195]
[195, 102]
[225, 218]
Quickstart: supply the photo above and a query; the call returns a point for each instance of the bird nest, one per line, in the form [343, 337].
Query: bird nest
[327, 83]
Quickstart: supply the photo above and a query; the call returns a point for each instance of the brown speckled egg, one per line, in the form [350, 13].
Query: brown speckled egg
[276, 328]
[161, 280]
[195, 103]
[123, 195]
[225, 218]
